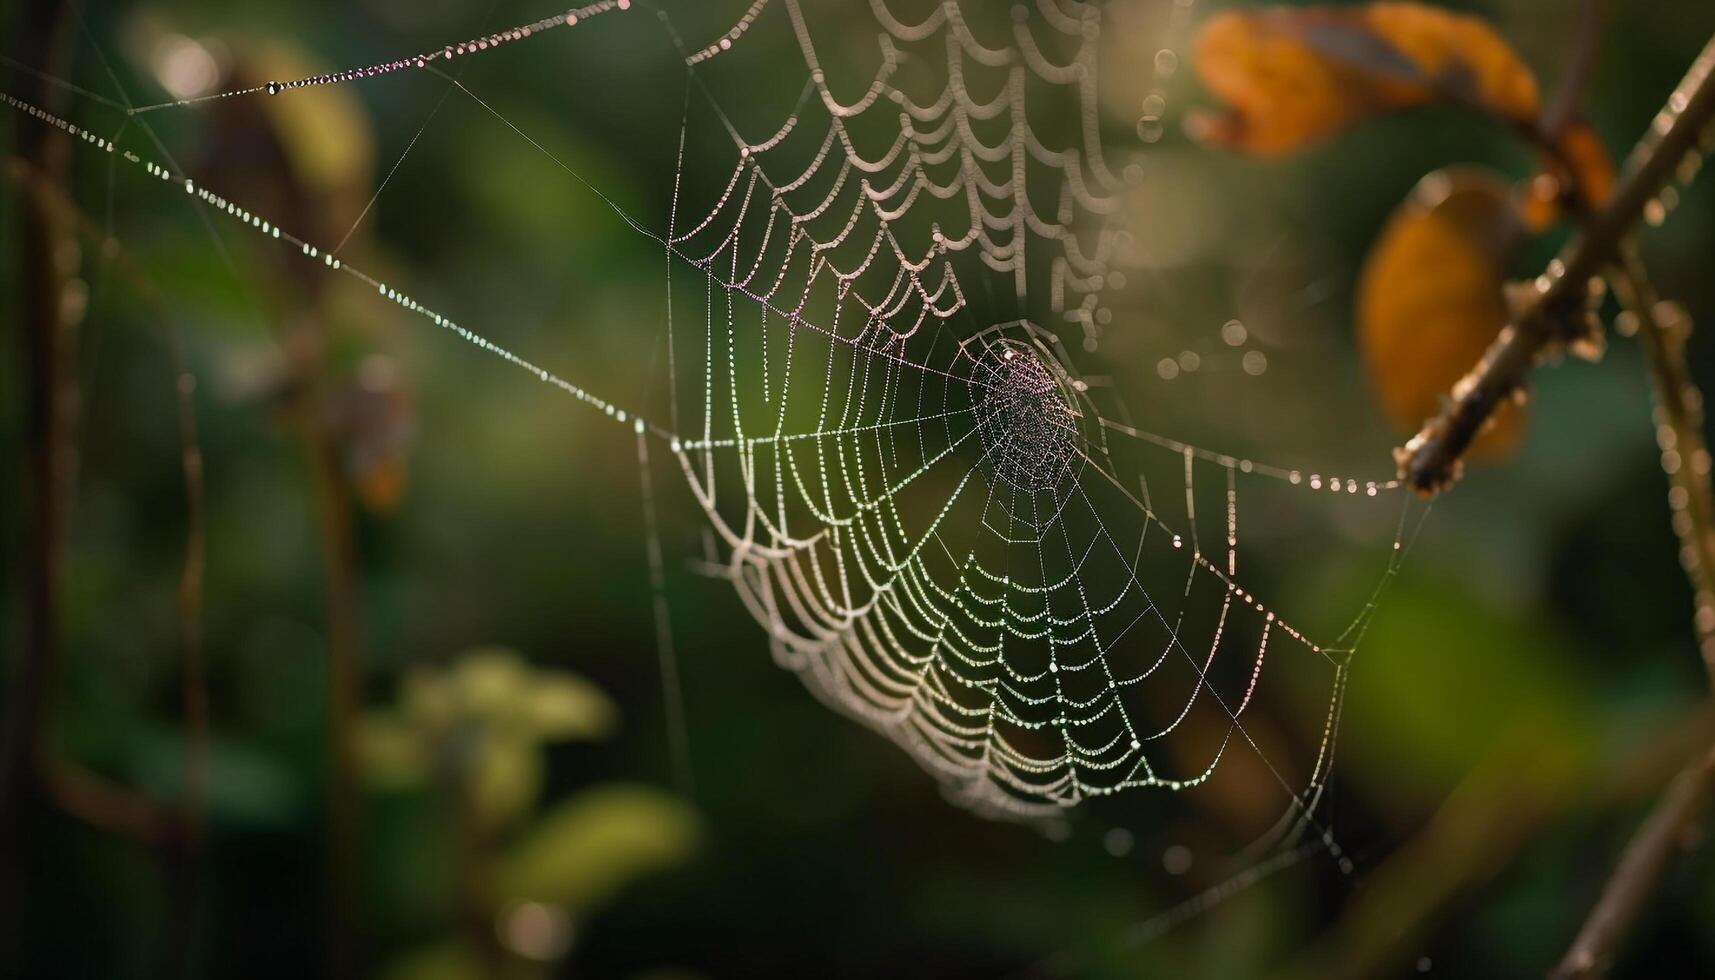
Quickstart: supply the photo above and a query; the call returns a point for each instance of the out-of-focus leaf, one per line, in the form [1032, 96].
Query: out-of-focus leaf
[381, 485]
[1431, 297]
[323, 128]
[587, 848]
[561, 705]
[1291, 75]
[486, 684]
[311, 155]
[450, 960]
[244, 786]
[374, 422]
[1592, 167]
[483, 720]
[497, 689]
[489, 683]
[1581, 150]
[392, 750]
[505, 778]
[427, 699]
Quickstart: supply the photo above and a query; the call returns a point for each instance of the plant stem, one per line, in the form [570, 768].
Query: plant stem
[48, 381]
[476, 903]
[1556, 311]
[339, 559]
[178, 831]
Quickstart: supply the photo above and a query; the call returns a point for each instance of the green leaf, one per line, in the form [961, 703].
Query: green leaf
[505, 778]
[560, 705]
[451, 960]
[489, 683]
[244, 785]
[587, 848]
[427, 699]
[392, 750]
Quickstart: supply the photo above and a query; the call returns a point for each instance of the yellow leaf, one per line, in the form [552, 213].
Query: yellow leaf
[427, 700]
[392, 750]
[504, 779]
[491, 683]
[323, 129]
[1291, 75]
[591, 845]
[1431, 297]
[446, 960]
[561, 705]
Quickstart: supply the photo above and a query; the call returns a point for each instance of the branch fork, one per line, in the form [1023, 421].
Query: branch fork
[1559, 316]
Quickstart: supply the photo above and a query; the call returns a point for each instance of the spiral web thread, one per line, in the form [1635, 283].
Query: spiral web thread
[945, 530]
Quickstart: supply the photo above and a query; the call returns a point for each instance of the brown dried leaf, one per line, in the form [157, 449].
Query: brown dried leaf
[1431, 297]
[1291, 75]
[374, 421]
[1581, 150]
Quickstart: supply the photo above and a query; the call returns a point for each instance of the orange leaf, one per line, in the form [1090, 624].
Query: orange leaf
[375, 424]
[1581, 150]
[1431, 297]
[382, 486]
[1591, 166]
[1291, 75]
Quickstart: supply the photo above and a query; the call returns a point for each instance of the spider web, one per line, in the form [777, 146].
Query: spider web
[943, 525]
[922, 504]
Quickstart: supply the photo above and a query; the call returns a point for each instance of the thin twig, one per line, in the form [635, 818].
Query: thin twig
[1671, 827]
[108, 806]
[193, 799]
[1685, 457]
[1664, 329]
[1555, 312]
[195, 690]
[1569, 96]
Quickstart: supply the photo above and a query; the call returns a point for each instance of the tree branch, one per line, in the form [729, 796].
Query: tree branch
[1501, 804]
[1554, 311]
[1670, 828]
[1663, 328]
